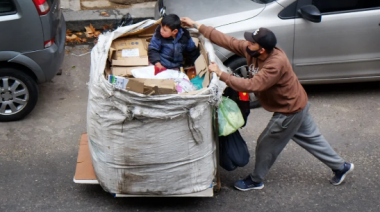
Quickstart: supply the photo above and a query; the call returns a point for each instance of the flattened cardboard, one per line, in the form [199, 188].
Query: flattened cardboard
[84, 169]
[158, 86]
[145, 35]
[203, 51]
[206, 81]
[146, 30]
[200, 65]
[135, 86]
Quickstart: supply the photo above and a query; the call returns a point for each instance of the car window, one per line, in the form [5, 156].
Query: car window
[329, 6]
[7, 7]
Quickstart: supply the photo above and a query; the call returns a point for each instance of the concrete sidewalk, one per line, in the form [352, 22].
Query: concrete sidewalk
[79, 14]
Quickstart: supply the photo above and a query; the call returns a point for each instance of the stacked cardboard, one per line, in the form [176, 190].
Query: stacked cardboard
[131, 52]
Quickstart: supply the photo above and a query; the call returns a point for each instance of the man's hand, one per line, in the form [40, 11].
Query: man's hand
[189, 23]
[159, 66]
[215, 68]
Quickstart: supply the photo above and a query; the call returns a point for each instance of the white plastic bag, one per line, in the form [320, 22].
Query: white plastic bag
[182, 81]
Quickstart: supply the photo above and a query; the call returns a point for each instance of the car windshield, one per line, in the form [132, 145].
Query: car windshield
[263, 1]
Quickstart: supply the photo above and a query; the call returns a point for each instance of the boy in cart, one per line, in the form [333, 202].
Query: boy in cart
[168, 44]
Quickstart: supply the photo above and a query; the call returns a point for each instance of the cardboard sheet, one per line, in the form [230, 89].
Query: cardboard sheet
[84, 169]
[158, 86]
[200, 65]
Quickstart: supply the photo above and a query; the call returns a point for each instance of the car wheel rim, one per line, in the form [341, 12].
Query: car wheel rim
[239, 71]
[14, 96]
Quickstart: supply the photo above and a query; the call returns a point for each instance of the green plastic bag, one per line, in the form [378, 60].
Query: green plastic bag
[230, 118]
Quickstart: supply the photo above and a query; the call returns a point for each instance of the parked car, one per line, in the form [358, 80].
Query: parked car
[32, 40]
[326, 41]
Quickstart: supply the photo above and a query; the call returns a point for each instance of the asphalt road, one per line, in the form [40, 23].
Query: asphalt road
[38, 156]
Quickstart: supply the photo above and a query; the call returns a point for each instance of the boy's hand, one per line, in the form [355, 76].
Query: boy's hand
[215, 68]
[189, 23]
[159, 66]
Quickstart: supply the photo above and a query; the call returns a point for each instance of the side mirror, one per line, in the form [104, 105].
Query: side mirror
[310, 13]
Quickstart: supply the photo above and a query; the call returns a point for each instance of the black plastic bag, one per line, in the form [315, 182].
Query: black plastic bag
[126, 20]
[233, 151]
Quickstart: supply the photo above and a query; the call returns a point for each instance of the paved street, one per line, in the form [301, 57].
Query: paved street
[38, 156]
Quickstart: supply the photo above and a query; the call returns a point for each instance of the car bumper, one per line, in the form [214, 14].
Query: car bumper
[51, 59]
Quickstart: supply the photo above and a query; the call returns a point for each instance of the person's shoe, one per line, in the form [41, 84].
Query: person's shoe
[341, 174]
[248, 184]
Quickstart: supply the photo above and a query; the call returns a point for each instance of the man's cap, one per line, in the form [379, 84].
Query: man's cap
[263, 36]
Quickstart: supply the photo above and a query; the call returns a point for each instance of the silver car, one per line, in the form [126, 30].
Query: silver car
[327, 41]
[32, 41]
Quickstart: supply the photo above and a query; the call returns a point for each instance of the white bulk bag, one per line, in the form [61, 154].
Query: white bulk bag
[142, 144]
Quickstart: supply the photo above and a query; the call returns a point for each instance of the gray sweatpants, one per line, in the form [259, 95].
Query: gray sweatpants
[301, 128]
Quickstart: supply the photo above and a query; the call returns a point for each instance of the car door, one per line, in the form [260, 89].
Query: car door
[344, 46]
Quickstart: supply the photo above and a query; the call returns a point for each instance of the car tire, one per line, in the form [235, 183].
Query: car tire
[235, 65]
[18, 94]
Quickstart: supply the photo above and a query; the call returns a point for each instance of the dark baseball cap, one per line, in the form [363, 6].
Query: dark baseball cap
[263, 36]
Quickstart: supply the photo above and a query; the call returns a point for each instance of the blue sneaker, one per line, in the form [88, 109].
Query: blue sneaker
[341, 174]
[248, 184]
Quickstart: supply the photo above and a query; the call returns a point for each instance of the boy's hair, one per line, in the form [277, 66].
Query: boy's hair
[172, 21]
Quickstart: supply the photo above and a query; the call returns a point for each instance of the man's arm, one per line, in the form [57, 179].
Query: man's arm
[232, 44]
[266, 78]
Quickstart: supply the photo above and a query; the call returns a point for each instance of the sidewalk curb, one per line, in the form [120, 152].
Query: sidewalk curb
[77, 20]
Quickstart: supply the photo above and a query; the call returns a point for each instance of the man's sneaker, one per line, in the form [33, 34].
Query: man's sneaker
[248, 184]
[341, 174]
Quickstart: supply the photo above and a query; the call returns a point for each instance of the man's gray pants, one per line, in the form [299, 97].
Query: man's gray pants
[299, 127]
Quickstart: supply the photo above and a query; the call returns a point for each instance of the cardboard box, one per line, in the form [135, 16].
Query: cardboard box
[131, 61]
[135, 44]
[158, 86]
[128, 84]
[129, 52]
